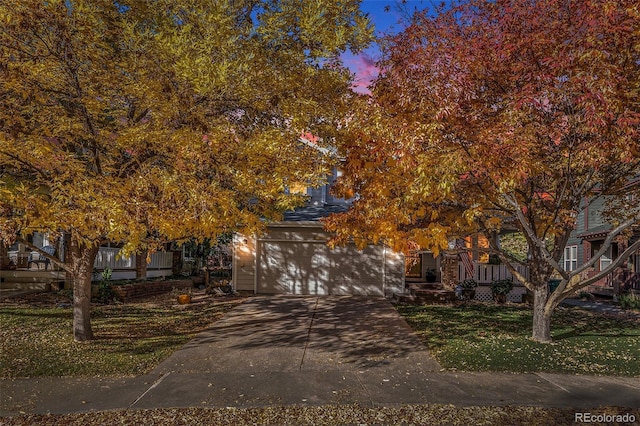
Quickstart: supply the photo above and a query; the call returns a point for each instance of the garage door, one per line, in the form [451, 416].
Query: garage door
[311, 268]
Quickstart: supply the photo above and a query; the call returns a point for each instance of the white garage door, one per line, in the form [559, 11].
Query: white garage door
[311, 268]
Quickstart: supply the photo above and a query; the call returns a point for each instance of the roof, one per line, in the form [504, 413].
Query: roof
[597, 233]
[313, 213]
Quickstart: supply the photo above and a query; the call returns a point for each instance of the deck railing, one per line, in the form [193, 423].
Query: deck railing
[485, 273]
[161, 260]
[108, 257]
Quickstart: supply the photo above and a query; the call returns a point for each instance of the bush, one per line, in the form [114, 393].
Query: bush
[66, 292]
[469, 284]
[105, 292]
[630, 301]
[585, 295]
[501, 287]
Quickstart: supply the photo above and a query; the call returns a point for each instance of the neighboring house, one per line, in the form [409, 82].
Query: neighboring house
[20, 267]
[588, 237]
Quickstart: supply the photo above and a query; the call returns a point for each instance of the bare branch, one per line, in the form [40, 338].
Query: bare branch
[605, 245]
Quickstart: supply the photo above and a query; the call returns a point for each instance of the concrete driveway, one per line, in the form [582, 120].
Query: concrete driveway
[293, 350]
[339, 350]
[292, 334]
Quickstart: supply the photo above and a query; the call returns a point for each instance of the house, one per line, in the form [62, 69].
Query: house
[293, 257]
[21, 268]
[590, 233]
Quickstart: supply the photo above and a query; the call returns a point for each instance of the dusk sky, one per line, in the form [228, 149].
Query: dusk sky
[388, 16]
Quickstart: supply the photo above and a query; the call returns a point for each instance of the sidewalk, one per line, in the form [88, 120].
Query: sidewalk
[601, 307]
[310, 351]
[40, 396]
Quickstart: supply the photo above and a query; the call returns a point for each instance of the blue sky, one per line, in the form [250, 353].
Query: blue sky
[388, 16]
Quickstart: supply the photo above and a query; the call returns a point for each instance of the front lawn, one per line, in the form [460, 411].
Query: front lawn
[131, 339]
[482, 337]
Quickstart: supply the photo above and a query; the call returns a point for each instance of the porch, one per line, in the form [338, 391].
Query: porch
[449, 270]
[485, 273]
[24, 271]
[133, 266]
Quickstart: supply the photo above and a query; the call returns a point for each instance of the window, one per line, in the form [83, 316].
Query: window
[571, 258]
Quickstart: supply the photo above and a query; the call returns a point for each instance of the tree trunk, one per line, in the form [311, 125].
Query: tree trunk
[81, 259]
[541, 317]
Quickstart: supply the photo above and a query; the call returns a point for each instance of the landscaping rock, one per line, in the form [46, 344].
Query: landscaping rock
[128, 292]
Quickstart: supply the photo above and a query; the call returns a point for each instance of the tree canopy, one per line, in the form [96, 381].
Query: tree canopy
[143, 122]
[500, 114]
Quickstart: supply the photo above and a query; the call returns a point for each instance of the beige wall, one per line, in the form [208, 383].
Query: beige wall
[394, 272]
[243, 268]
[296, 260]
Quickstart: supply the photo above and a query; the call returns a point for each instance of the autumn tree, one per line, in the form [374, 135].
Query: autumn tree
[145, 122]
[498, 115]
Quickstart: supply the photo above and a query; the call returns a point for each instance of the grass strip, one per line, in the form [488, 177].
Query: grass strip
[486, 337]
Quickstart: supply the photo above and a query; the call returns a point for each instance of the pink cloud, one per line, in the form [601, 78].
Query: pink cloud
[365, 70]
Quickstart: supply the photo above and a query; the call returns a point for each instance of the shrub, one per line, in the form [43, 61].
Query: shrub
[66, 292]
[630, 301]
[105, 292]
[501, 287]
[585, 295]
[469, 284]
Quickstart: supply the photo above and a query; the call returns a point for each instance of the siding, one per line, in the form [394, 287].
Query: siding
[595, 213]
[244, 262]
[296, 260]
[317, 196]
[393, 273]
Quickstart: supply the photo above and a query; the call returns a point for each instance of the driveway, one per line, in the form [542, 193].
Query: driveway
[292, 334]
[293, 350]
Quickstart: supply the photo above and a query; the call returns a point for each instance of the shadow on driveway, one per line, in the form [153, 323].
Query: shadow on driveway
[268, 334]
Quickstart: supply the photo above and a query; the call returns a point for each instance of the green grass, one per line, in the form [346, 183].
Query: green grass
[480, 337]
[131, 339]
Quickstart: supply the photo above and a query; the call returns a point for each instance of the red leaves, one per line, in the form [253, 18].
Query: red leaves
[536, 99]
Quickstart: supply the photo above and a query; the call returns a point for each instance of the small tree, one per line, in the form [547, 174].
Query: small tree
[145, 123]
[499, 114]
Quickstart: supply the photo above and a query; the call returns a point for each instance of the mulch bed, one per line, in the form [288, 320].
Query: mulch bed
[53, 299]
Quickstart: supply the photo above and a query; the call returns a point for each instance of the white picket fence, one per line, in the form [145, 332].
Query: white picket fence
[485, 273]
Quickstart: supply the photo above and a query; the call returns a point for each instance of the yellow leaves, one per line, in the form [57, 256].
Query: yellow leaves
[434, 237]
[120, 101]
[493, 224]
